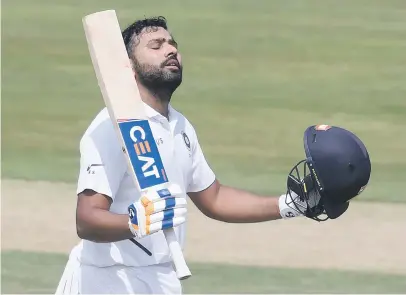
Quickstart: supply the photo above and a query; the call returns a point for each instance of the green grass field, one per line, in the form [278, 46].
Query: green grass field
[41, 273]
[257, 74]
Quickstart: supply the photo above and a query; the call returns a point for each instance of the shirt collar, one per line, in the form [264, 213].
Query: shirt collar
[153, 114]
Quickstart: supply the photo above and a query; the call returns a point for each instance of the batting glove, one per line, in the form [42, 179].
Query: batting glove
[157, 210]
[293, 205]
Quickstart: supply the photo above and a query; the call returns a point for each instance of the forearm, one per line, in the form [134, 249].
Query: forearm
[239, 206]
[103, 226]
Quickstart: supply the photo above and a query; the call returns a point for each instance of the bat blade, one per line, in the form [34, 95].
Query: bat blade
[123, 101]
[145, 161]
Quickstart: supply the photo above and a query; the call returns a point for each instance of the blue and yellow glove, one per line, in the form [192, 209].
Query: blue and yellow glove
[157, 210]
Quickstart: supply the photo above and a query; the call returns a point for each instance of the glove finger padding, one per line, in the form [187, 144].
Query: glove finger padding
[154, 195]
[157, 226]
[165, 215]
[156, 210]
[163, 204]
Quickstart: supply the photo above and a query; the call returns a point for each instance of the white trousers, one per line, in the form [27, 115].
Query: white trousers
[85, 279]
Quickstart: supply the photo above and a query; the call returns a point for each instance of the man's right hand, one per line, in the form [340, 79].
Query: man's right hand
[157, 210]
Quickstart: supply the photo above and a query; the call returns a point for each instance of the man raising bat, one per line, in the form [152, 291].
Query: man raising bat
[123, 249]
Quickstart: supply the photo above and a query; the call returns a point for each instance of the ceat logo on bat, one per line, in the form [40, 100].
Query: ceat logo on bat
[143, 152]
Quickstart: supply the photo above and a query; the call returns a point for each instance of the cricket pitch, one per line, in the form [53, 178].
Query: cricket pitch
[367, 237]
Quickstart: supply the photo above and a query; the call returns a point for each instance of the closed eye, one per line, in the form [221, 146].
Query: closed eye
[157, 43]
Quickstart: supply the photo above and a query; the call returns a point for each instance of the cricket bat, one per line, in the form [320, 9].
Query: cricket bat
[123, 101]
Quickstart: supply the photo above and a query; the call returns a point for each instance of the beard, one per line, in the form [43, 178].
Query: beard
[158, 79]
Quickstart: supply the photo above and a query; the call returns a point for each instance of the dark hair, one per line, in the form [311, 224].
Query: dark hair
[131, 33]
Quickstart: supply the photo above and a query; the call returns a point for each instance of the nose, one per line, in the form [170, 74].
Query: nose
[170, 50]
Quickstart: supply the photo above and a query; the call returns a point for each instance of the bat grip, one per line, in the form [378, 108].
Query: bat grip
[181, 268]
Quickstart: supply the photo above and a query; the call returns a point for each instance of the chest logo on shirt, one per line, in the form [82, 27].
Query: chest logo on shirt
[91, 168]
[186, 140]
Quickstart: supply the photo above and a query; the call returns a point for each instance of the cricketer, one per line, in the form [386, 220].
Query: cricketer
[124, 251]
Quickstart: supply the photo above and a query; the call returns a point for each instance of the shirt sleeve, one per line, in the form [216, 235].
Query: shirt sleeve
[102, 162]
[202, 176]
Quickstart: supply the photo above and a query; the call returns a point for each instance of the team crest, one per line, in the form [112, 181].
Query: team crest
[186, 140]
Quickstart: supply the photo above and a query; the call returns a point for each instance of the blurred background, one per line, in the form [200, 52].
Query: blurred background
[256, 75]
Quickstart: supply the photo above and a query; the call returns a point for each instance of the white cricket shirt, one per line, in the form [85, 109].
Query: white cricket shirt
[103, 168]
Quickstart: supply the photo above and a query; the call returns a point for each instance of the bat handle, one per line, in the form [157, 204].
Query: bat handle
[181, 268]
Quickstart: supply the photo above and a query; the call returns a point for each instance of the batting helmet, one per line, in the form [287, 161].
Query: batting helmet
[337, 168]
